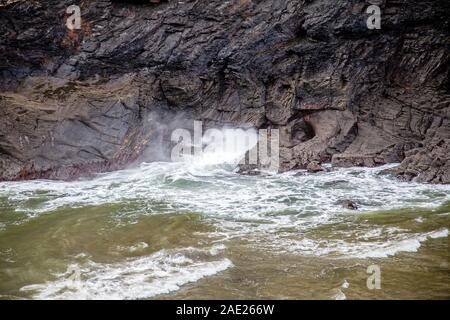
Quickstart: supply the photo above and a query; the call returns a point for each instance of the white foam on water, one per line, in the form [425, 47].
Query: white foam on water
[419, 220]
[403, 242]
[221, 192]
[216, 249]
[345, 284]
[437, 234]
[228, 148]
[256, 207]
[134, 248]
[339, 295]
[136, 278]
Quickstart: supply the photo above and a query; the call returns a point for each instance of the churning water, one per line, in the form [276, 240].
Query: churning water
[198, 229]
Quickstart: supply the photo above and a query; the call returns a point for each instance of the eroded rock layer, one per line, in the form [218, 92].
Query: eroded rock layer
[96, 99]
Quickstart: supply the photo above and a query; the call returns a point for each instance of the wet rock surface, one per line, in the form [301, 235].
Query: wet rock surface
[428, 164]
[314, 166]
[347, 204]
[74, 102]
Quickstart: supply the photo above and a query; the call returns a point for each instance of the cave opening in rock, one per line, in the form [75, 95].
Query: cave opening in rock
[302, 131]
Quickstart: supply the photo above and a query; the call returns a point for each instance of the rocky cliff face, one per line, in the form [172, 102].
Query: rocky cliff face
[95, 99]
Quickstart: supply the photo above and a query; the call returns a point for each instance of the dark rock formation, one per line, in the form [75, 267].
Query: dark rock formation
[428, 164]
[314, 166]
[98, 98]
[347, 204]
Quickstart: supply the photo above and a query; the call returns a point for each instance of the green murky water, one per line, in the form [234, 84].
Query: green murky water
[201, 231]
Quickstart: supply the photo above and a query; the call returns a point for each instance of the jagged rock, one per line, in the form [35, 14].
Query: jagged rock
[249, 170]
[429, 164]
[98, 98]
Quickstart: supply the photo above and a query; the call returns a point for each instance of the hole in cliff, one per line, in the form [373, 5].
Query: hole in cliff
[302, 131]
[343, 81]
[300, 32]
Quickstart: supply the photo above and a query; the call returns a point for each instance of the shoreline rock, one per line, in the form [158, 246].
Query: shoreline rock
[347, 204]
[314, 167]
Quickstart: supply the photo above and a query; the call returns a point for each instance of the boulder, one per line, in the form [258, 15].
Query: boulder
[314, 166]
[347, 204]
